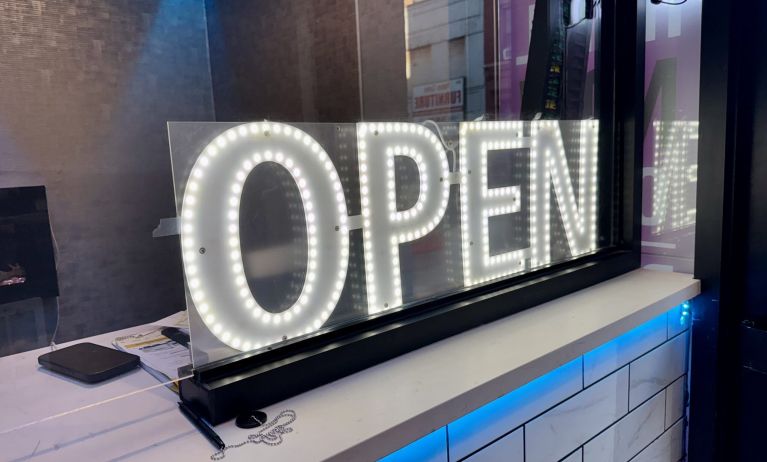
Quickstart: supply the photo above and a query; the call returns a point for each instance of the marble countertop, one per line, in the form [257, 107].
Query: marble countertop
[360, 417]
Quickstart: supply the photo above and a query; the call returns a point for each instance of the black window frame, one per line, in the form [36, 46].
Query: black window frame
[220, 390]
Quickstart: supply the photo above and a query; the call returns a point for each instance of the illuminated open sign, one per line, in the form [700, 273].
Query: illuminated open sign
[210, 230]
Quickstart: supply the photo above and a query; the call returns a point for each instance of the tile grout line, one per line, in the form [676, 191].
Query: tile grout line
[628, 392]
[665, 404]
[447, 442]
[573, 452]
[524, 443]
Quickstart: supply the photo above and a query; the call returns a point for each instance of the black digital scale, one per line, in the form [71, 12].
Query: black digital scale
[88, 362]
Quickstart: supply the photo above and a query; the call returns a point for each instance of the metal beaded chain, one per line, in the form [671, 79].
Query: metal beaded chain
[269, 434]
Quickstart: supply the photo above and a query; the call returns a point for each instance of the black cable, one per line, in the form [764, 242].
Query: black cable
[659, 2]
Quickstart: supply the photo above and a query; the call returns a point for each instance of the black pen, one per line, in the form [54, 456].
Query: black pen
[203, 426]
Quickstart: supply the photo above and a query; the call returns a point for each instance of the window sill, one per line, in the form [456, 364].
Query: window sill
[375, 412]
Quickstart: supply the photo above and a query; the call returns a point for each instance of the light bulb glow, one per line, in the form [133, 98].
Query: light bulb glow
[385, 227]
[548, 167]
[219, 270]
[674, 176]
[578, 216]
[479, 202]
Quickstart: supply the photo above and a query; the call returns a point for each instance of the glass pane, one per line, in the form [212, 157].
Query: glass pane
[288, 230]
[80, 262]
[672, 88]
[478, 59]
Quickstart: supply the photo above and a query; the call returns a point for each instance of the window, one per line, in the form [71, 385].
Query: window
[486, 168]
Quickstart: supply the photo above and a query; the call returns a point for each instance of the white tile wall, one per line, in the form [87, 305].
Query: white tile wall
[510, 448]
[658, 369]
[577, 456]
[627, 437]
[667, 448]
[624, 401]
[619, 352]
[675, 401]
[494, 420]
[554, 434]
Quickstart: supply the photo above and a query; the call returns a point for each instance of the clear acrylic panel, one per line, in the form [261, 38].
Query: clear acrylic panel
[289, 230]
